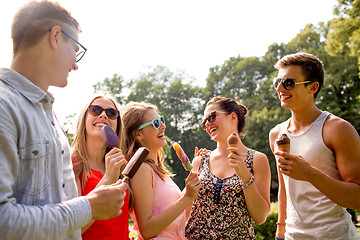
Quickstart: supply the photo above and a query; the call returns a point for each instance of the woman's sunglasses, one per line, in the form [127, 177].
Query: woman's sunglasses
[211, 117]
[288, 83]
[96, 110]
[156, 123]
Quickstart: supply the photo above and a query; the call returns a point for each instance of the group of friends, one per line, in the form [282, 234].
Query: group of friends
[49, 190]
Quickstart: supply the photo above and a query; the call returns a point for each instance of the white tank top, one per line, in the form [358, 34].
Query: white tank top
[310, 214]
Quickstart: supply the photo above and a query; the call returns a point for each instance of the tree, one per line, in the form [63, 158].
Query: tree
[344, 37]
[113, 86]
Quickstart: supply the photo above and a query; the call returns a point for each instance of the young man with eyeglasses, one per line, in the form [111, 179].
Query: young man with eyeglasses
[38, 195]
[320, 177]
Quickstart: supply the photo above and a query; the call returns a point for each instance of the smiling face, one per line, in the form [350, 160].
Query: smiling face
[93, 124]
[64, 54]
[300, 96]
[223, 125]
[149, 137]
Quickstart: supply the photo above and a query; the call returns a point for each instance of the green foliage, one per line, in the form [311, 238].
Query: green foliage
[267, 230]
[69, 120]
[249, 79]
[344, 37]
[113, 86]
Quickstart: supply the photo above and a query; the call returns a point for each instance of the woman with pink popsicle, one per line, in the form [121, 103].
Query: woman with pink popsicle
[96, 164]
[235, 179]
[157, 205]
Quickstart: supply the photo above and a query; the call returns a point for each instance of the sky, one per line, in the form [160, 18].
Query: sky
[128, 37]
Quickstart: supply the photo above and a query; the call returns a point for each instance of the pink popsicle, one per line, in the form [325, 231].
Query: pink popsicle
[111, 139]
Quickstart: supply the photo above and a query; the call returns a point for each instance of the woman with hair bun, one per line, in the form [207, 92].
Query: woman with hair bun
[235, 180]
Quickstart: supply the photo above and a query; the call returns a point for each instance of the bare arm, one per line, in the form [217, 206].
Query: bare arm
[341, 137]
[257, 196]
[150, 225]
[114, 160]
[280, 231]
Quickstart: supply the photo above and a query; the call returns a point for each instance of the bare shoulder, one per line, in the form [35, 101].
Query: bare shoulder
[339, 131]
[196, 163]
[273, 134]
[333, 121]
[143, 174]
[260, 159]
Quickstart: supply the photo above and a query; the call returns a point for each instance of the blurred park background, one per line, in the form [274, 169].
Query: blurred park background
[249, 79]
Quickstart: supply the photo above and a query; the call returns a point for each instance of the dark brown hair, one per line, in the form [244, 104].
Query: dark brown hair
[229, 105]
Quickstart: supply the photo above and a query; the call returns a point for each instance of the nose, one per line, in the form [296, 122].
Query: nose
[162, 125]
[103, 114]
[280, 85]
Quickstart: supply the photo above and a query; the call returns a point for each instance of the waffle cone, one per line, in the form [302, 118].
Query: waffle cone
[284, 147]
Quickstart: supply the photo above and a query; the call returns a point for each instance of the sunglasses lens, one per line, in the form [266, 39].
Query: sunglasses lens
[203, 124]
[156, 123]
[289, 83]
[95, 110]
[276, 82]
[111, 113]
[212, 117]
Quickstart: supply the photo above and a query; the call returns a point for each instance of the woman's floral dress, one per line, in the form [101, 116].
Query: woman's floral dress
[219, 211]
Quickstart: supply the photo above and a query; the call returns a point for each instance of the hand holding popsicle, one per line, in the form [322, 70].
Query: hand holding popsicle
[110, 138]
[182, 156]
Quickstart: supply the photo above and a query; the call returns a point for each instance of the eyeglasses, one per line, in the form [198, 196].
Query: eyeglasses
[211, 117]
[96, 110]
[155, 123]
[288, 83]
[81, 53]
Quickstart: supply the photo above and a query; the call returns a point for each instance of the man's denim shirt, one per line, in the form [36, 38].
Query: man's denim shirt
[38, 196]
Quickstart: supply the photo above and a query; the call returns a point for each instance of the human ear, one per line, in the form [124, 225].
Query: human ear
[54, 36]
[314, 87]
[138, 136]
[233, 116]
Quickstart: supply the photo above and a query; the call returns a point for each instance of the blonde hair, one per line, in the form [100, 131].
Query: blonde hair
[133, 117]
[35, 19]
[79, 150]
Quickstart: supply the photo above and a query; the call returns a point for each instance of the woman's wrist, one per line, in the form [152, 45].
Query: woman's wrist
[249, 182]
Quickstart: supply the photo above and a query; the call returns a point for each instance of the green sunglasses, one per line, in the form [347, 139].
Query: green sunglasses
[155, 123]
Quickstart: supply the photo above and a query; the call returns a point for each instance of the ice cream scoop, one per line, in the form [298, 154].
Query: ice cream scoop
[283, 143]
[232, 140]
[111, 139]
[135, 162]
[182, 156]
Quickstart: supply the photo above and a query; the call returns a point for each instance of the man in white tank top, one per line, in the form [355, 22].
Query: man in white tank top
[320, 177]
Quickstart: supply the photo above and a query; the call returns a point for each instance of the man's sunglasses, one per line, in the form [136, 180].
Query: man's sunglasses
[156, 123]
[96, 110]
[288, 83]
[211, 117]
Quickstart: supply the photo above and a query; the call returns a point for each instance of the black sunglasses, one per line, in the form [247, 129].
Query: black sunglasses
[211, 117]
[96, 110]
[288, 83]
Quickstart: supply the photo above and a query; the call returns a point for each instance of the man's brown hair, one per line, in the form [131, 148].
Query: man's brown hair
[35, 19]
[312, 67]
